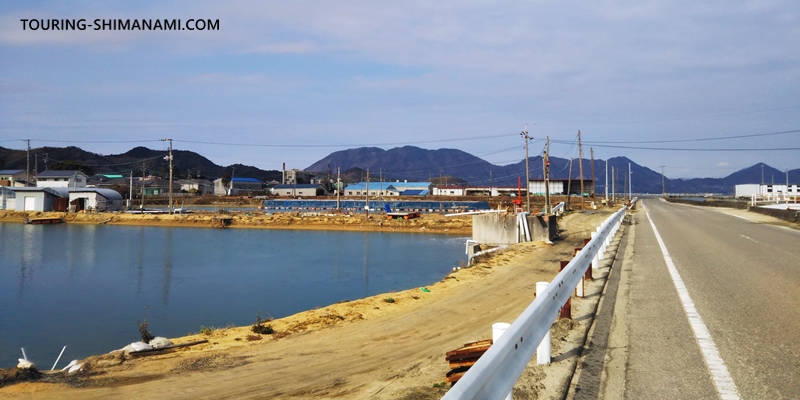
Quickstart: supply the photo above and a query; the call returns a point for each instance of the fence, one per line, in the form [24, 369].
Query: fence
[496, 372]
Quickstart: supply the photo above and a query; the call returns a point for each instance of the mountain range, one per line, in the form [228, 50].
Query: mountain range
[411, 163]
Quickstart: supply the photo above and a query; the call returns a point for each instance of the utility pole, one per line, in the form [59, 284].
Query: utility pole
[169, 157]
[762, 171]
[594, 186]
[366, 200]
[630, 183]
[546, 162]
[28, 165]
[605, 185]
[143, 172]
[490, 185]
[580, 166]
[525, 136]
[130, 193]
[663, 190]
[380, 175]
[569, 184]
[338, 186]
[613, 189]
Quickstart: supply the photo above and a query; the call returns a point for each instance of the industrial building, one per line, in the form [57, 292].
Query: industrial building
[95, 199]
[749, 190]
[298, 190]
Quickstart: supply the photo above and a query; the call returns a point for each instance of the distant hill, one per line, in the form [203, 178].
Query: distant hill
[411, 162]
[185, 162]
[401, 163]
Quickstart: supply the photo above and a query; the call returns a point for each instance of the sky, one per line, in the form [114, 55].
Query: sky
[702, 88]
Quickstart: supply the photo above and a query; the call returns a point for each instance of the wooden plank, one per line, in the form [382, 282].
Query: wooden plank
[468, 350]
[462, 363]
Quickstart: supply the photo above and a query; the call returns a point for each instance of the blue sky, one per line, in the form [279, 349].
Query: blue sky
[294, 81]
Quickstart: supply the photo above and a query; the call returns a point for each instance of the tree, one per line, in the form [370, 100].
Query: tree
[69, 165]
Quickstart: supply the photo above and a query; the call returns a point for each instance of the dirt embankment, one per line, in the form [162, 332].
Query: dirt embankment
[428, 223]
[389, 346]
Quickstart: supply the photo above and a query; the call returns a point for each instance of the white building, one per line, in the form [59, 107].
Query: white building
[298, 190]
[61, 179]
[751, 189]
[40, 199]
[449, 191]
[95, 199]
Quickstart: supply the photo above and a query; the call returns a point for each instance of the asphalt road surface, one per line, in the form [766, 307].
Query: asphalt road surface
[725, 322]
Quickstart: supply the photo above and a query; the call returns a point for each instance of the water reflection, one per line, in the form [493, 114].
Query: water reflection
[366, 265]
[167, 266]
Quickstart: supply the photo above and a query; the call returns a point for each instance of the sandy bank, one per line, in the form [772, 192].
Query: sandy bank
[428, 223]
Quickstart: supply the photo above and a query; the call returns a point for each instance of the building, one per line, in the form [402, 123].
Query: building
[296, 176]
[41, 199]
[397, 188]
[61, 179]
[200, 187]
[8, 198]
[561, 186]
[449, 191]
[238, 187]
[765, 191]
[95, 199]
[299, 190]
[13, 177]
[154, 186]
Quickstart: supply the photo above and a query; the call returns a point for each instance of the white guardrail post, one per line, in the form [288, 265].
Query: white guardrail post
[496, 372]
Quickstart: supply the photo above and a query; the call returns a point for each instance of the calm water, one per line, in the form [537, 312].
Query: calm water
[85, 286]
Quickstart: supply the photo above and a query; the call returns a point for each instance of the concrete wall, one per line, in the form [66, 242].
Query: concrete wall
[786, 215]
[498, 228]
[494, 228]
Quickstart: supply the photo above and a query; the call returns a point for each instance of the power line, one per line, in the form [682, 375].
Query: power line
[673, 119]
[343, 145]
[690, 140]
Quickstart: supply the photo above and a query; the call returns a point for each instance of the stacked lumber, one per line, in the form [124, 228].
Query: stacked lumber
[464, 357]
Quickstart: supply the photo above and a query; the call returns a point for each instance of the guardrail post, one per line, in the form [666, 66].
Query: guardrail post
[579, 288]
[498, 329]
[602, 245]
[566, 311]
[543, 350]
[596, 257]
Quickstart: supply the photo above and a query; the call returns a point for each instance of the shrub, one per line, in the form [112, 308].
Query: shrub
[389, 300]
[259, 326]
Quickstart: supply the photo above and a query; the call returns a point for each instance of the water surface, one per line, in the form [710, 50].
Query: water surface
[86, 286]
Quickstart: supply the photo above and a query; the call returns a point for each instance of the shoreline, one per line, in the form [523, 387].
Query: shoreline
[427, 223]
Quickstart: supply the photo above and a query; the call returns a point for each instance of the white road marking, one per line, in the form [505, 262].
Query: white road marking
[719, 372]
[748, 238]
[737, 216]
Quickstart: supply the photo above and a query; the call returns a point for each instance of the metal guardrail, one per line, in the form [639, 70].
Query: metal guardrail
[496, 372]
[633, 203]
[559, 209]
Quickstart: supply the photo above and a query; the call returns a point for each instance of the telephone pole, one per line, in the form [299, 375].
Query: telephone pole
[366, 200]
[605, 186]
[630, 183]
[663, 191]
[28, 165]
[143, 172]
[525, 136]
[594, 186]
[169, 157]
[569, 184]
[546, 162]
[580, 166]
[338, 186]
[613, 189]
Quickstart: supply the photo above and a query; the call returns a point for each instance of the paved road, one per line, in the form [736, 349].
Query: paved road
[743, 279]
